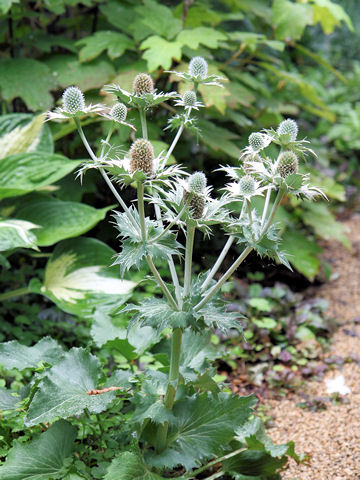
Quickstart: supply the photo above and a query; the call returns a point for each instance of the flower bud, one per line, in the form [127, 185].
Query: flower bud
[287, 164]
[247, 185]
[118, 112]
[189, 98]
[247, 162]
[143, 83]
[198, 67]
[288, 127]
[257, 141]
[141, 156]
[197, 182]
[197, 204]
[73, 100]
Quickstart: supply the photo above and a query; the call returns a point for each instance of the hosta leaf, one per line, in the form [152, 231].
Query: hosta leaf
[203, 427]
[290, 19]
[115, 43]
[62, 391]
[69, 71]
[160, 52]
[78, 278]
[44, 458]
[35, 91]
[22, 132]
[128, 466]
[16, 233]
[59, 220]
[25, 172]
[7, 400]
[15, 355]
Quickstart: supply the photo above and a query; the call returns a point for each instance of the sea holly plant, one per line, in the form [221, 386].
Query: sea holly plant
[170, 419]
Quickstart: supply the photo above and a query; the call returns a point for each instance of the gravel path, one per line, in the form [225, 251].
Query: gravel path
[330, 437]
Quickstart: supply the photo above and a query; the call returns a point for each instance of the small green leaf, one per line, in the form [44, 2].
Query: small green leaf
[160, 52]
[15, 355]
[16, 233]
[62, 391]
[261, 304]
[265, 322]
[44, 458]
[115, 43]
[294, 181]
[128, 466]
[25, 172]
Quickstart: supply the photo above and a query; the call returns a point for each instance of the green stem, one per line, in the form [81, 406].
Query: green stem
[177, 136]
[172, 223]
[140, 195]
[14, 293]
[266, 206]
[143, 123]
[214, 462]
[188, 258]
[218, 262]
[277, 201]
[161, 282]
[161, 436]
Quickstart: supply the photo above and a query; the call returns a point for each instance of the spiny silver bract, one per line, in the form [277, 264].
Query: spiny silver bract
[189, 98]
[73, 100]
[288, 127]
[257, 141]
[118, 112]
[287, 163]
[141, 156]
[198, 67]
[197, 182]
[247, 185]
[143, 83]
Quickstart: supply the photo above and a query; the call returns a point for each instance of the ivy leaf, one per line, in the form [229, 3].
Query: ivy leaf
[69, 71]
[129, 466]
[15, 355]
[58, 220]
[330, 15]
[35, 91]
[203, 427]
[17, 233]
[201, 35]
[160, 52]
[24, 172]
[290, 19]
[62, 391]
[115, 43]
[78, 278]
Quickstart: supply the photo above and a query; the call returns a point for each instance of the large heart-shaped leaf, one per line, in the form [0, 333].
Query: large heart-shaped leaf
[25, 172]
[129, 466]
[16, 233]
[7, 400]
[59, 220]
[78, 277]
[63, 390]
[15, 355]
[44, 458]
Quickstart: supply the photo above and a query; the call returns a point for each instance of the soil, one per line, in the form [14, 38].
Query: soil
[328, 430]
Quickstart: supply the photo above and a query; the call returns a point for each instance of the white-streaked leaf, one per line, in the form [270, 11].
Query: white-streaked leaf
[16, 233]
[24, 137]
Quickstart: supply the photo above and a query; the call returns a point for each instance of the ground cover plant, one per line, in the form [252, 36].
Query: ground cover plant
[117, 412]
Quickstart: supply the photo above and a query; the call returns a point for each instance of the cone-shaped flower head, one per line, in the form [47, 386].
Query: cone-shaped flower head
[141, 156]
[247, 185]
[118, 112]
[288, 127]
[287, 163]
[198, 67]
[189, 98]
[143, 83]
[73, 100]
[196, 186]
[257, 141]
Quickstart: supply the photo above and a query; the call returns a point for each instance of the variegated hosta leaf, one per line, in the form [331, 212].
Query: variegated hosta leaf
[17, 233]
[43, 458]
[78, 277]
[21, 133]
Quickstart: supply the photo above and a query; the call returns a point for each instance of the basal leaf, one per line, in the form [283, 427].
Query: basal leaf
[78, 277]
[129, 466]
[59, 220]
[62, 391]
[17, 233]
[44, 458]
[15, 355]
[114, 42]
[25, 172]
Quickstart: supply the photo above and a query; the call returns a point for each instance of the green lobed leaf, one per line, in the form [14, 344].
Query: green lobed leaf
[44, 458]
[160, 52]
[129, 466]
[290, 19]
[15, 355]
[16, 233]
[115, 43]
[330, 15]
[153, 17]
[201, 35]
[59, 220]
[25, 172]
[62, 391]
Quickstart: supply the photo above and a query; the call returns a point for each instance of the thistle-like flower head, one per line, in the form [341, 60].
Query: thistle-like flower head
[143, 83]
[247, 185]
[257, 141]
[287, 163]
[73, 100]
[198, 67]
[288, 127]
[141, 156]
[189, 98]
[196, 187]
[197, 183]
[118, 112]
